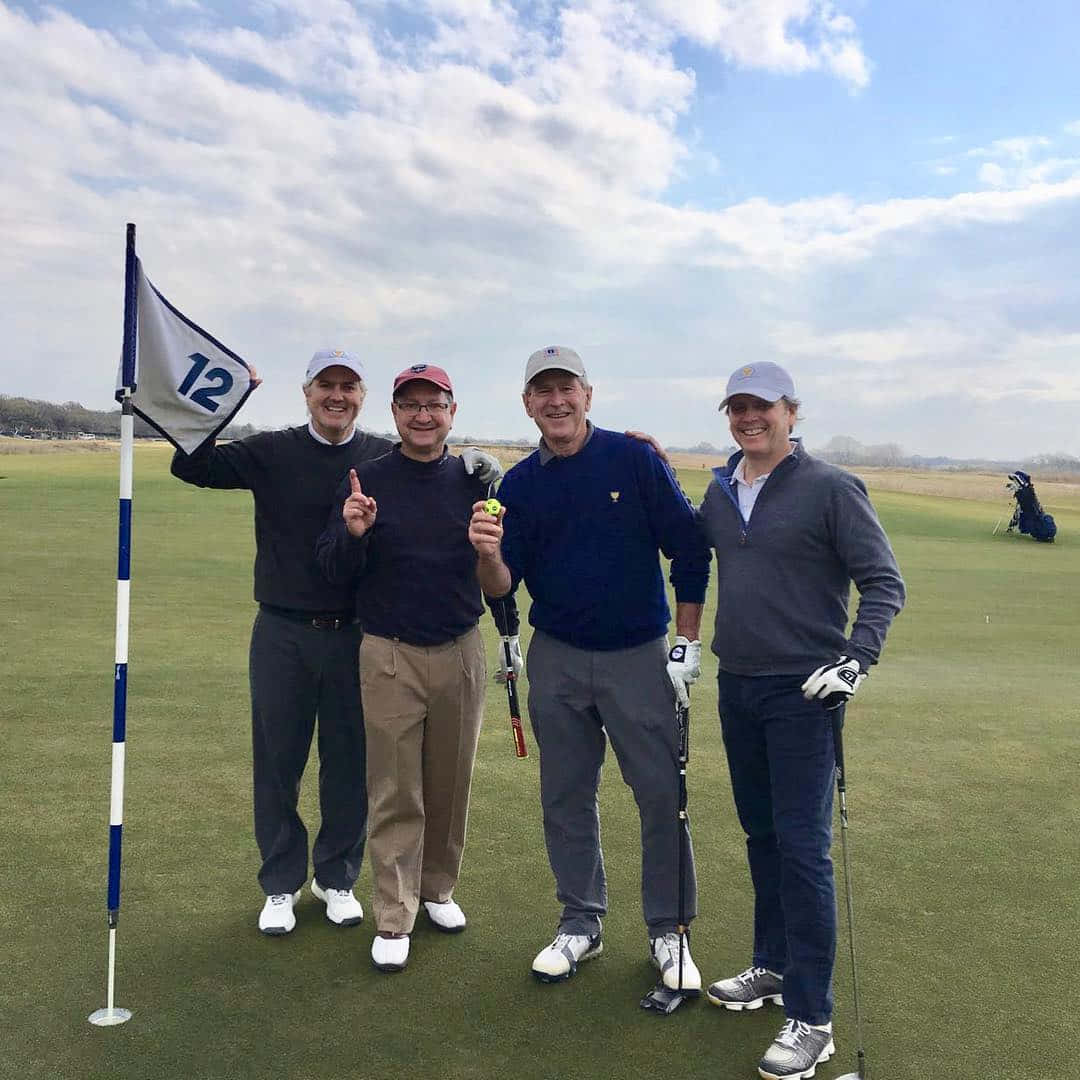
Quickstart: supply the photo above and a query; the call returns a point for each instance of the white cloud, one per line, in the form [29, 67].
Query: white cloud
[785, 36]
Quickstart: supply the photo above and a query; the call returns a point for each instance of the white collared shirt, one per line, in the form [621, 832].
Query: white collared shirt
[747, 491]
[326, 442]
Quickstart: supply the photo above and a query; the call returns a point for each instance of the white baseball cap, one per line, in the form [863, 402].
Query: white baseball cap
[325, 358]
[764, 380]
[553, 358]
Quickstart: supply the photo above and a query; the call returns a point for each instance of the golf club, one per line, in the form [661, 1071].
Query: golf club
[662, 999]
[511, 694]
[837, 717]
[516, 728]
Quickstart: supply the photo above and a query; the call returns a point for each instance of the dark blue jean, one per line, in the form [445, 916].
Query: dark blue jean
[780, 755]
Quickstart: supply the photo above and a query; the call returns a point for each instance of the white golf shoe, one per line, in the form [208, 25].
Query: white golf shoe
[447, 916]
[277, 916]
[390, 953]
[664, 953]
[560, 959]
[342, 908]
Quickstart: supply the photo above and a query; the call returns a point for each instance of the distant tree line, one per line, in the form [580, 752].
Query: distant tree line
[28, 417]
[843, 450]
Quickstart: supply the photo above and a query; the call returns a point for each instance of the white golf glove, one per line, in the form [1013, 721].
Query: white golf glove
[684, 667]
[832, 684]
[516, 659]
[484, 465]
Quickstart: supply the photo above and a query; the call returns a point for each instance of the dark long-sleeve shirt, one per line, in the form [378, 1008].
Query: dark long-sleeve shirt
[783, 578]
[292, 478]
[414, 571]
[585, 533]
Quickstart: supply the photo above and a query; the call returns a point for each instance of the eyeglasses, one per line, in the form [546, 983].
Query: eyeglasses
[411, 408]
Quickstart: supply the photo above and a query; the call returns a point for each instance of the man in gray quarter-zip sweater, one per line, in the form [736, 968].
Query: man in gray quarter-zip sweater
[791, 534]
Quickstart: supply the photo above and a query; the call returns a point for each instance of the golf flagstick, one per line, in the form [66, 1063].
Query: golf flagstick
[837, 719]
[111, 1014]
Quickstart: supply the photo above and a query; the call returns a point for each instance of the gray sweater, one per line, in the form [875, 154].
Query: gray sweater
[783, 578]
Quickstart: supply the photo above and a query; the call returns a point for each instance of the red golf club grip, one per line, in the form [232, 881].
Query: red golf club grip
[519, 737]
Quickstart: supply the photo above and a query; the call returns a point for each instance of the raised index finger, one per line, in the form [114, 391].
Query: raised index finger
[354, 483]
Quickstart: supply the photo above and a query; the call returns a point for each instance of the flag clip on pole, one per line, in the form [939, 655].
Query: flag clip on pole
[111, 1014]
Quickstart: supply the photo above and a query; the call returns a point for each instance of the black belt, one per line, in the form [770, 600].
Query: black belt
[330, 621]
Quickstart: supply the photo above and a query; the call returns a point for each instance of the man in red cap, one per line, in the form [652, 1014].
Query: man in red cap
[398, 532]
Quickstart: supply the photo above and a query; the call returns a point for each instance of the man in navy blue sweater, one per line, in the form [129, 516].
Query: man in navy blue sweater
[585, 519]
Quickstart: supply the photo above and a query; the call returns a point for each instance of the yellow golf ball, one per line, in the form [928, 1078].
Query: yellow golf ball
[492, 507]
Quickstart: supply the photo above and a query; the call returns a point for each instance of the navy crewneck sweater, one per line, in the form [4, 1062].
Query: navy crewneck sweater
[293, 478]
[584, 532]
[414, 571]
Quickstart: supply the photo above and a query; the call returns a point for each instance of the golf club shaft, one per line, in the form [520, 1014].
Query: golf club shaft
[512, 697]
[516, 728]
[837, 718]
[683, 719]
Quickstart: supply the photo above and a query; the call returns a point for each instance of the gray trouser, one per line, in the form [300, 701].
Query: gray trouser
[575, 697]
[299, 673]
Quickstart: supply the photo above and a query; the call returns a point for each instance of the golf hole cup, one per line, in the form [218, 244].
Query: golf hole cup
[492, 507]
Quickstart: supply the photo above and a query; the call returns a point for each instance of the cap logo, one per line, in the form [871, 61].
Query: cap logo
[337, 352]
[748, 371]
[551, 351]
[417, 368]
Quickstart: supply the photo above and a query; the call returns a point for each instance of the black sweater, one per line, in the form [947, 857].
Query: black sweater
[293, 478]
[414, 571]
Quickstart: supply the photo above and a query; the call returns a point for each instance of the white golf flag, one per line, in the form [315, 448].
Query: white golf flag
[187, 384]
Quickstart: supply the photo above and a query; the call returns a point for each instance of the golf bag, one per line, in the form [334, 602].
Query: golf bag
[1029, 516]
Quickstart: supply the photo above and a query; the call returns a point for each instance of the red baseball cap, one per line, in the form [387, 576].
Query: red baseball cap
[426, 373]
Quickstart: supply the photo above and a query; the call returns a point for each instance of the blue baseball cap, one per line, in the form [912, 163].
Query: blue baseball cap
[764, 380]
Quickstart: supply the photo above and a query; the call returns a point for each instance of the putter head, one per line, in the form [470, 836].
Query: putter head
[851, 1076]
[662, 999]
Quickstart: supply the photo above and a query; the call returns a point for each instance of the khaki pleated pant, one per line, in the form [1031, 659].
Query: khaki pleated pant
[423, 707]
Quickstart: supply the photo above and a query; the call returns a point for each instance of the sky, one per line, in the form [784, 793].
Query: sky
[883, 197]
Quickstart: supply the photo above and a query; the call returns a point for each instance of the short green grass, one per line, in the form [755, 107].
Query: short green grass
[963, 749]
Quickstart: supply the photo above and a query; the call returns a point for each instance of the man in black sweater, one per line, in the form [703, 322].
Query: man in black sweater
[398, 531]
[304, 642]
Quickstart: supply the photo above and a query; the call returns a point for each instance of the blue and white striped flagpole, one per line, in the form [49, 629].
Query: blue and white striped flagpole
[111, 1014]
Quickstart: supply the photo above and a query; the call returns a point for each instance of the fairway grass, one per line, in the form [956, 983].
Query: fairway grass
[963, 748]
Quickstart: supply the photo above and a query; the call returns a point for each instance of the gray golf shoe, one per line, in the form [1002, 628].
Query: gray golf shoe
[748, 990]
[796, 1052]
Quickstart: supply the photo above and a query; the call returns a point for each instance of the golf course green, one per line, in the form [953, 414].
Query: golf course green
[963, 749]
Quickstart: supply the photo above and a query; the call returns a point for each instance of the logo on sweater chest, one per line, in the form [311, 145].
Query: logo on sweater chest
[614, 496]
